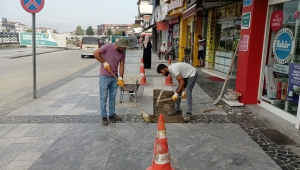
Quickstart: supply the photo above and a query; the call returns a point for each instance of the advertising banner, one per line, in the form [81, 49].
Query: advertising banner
[246, 20]
[244, 43]
[281, 71]
[210, 46]
[283, 45]
[294, 83]
[42, 39]
[276, 20]
[230, 10]
[161, 26]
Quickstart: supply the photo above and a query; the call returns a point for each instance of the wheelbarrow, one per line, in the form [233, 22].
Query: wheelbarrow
[131, 83]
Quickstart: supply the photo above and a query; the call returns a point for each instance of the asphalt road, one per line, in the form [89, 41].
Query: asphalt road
[16, 75]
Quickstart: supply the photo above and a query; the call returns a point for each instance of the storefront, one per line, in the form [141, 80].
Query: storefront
[269, 57]
[223, 34]
[174, 35]
[190, 28]
[280, 71]
[174, 11]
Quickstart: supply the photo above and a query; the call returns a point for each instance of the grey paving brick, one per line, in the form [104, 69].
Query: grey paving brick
[54, 132]
[19, 165]
[28, 156]
[26, 140]
[7, 128]
[9, 153]
[19, 131]
[39, 146]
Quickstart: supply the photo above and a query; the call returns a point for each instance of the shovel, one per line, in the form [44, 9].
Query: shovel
[232, 61]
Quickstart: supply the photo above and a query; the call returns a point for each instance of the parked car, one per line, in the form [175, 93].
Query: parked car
[88, 45]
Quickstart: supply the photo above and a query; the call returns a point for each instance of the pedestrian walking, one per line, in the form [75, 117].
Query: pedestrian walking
[186, 76]
[201, 43]
[111, 56]
[147, 53]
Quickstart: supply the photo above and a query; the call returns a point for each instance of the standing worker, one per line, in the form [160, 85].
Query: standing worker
[201, 43]
[186, 76]
[110, 56]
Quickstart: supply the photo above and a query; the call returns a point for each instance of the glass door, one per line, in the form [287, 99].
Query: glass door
[227, 37]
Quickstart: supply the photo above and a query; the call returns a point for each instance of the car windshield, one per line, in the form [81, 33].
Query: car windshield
[89, 40]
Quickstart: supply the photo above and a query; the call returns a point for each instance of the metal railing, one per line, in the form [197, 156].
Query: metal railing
[9, 39]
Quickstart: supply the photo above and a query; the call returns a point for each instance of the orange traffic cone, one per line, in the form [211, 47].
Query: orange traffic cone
[161, 157]
[169, 61]
[169, 81]
[143, 79]
[142, 68]
[142, 60]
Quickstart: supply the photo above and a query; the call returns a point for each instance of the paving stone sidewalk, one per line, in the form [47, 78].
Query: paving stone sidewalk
[62, 130]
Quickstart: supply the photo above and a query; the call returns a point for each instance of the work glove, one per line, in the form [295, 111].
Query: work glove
[175, 97]
[183, 95]
[106, 66]
[120, 82]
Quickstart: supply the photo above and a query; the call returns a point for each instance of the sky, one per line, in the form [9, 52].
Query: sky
[66, 15]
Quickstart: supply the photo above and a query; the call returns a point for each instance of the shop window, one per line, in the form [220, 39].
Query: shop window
[281, 72]
[227, 37]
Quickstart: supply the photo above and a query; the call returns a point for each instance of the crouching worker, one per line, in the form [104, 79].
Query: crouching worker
[186, 76]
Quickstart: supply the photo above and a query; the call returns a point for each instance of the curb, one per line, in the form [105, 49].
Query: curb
[28, 55]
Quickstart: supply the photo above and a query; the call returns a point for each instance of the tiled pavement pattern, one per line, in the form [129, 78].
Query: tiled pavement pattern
[62, 130]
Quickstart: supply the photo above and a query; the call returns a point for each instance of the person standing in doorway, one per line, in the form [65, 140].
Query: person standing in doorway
[111, 56]
[147, 53]
[201, 43]
[186, 76]
[162, 50]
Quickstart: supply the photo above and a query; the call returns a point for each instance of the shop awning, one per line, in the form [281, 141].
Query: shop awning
[149, 27]
[145, 34]
[208, 4]
[189, 12]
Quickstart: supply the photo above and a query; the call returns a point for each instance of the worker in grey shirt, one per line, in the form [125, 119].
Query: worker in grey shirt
[186, 76]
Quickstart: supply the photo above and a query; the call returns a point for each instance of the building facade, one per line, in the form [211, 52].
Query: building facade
[269, 57]
[264, 34]
[115, 28]
[5, 27]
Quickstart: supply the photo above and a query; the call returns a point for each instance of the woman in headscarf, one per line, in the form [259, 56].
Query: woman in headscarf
[147, 53]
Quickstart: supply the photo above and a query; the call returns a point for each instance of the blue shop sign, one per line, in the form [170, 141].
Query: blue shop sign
[247, 3]
[283, 46]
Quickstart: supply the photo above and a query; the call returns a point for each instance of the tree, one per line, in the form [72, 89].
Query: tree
[55, 32]
[29, 30]
[78, 30]
[121, 33]
[109, 32]
[90, 31]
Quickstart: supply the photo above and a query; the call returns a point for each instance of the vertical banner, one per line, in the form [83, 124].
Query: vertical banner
[294, 83]
[210, 46]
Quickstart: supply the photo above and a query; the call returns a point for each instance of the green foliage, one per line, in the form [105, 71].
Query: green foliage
[109, 32]
[29, 30]
[120, 33]
[90, 31]
[55, 32]
[79, 30]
